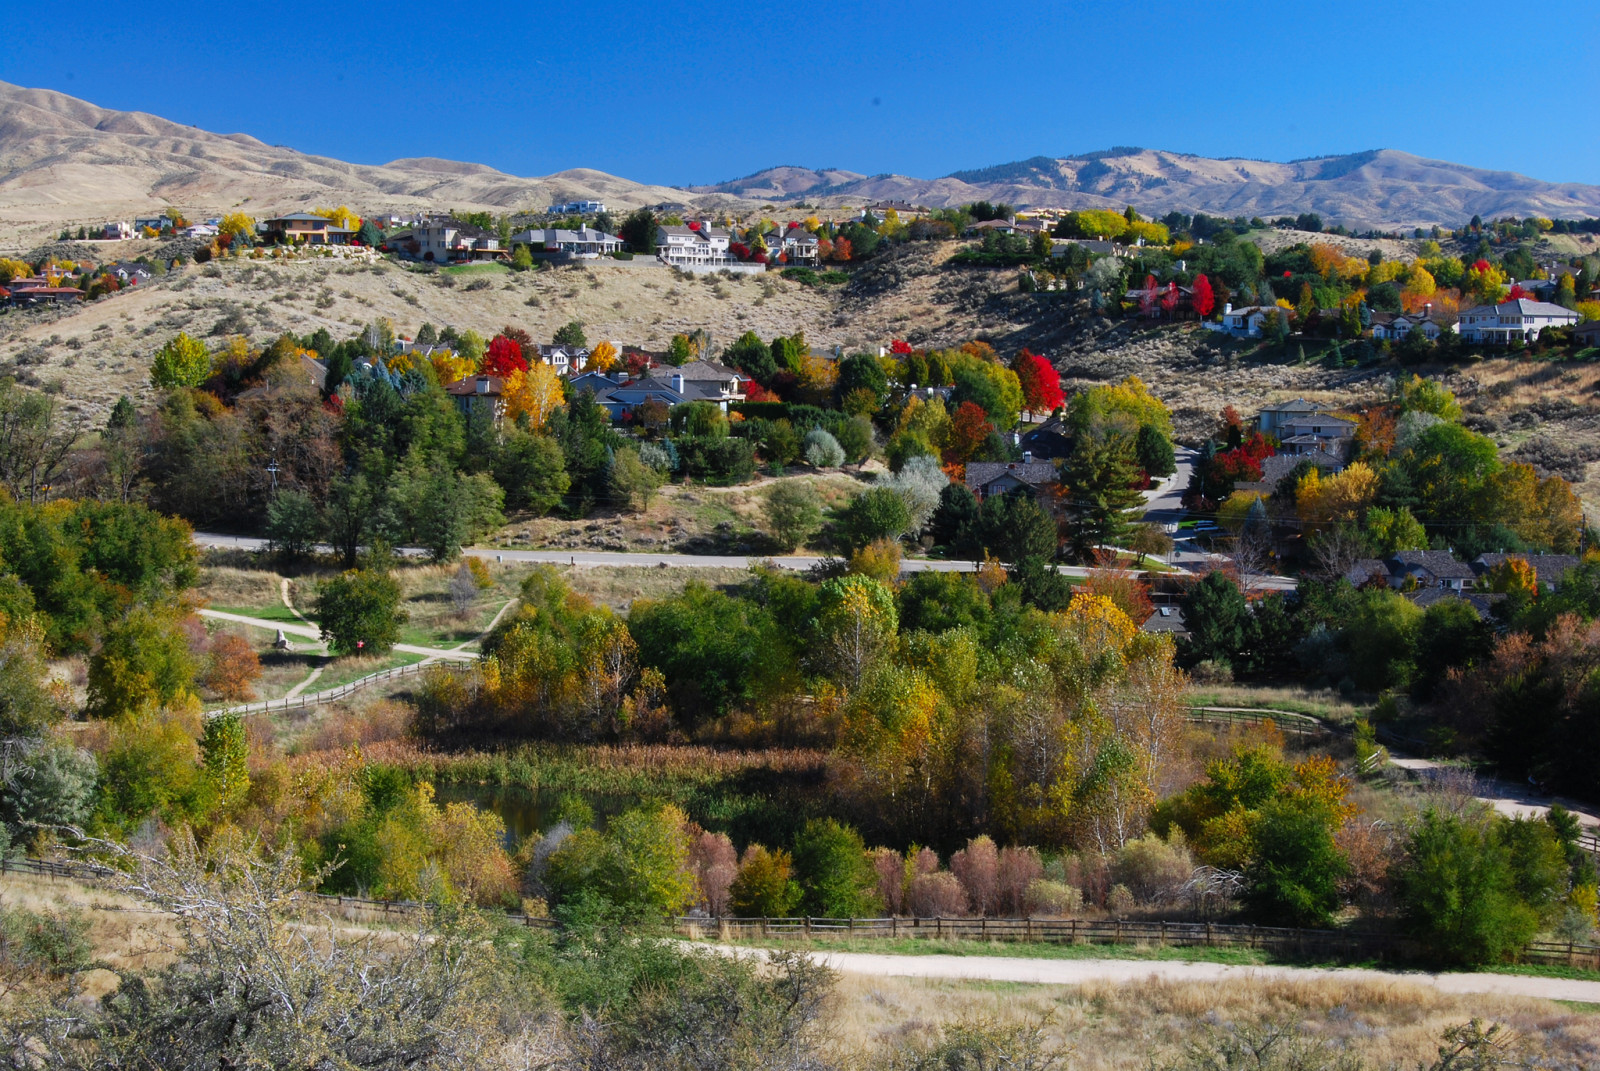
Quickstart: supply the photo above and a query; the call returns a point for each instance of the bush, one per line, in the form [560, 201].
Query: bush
[823, 450]
[1293, 880]
[763, 887]
[1457, 892]
[937, 895]
[877, 513]
[1052, 899]
[53, 944]
[1154, 870]
[794, 512]
[360, 612]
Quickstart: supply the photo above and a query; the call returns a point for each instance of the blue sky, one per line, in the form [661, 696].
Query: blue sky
[682, 93]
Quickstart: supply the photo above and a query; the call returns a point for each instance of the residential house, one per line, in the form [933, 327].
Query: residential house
[1271, 419]
[1518, 319]
[1548, 569]
[1367, 572]
[577, 208]
[596, 383]
[1048, 441]
[695, 243]
[585, 244]
[153, 223]
[207, 230]
[1061, 247]
[669, 389]
[1247, 321]
[307, 228]
[986, 478]
[1316, 433]
[446, 240]
[728, 382]
[566, 360]
[1480, 601]
[791, 245]
[129, 274]
[25, 292]
[1587, 334]
[479, 392]
[1397, 325]
[993, 226]
[113, 231]
[1153, 302]
[1168, 619]
[1430, 569]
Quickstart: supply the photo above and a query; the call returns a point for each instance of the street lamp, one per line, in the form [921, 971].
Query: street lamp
[272, 470]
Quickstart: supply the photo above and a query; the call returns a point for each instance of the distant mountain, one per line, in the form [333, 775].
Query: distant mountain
[1382, 187]
[62, 159]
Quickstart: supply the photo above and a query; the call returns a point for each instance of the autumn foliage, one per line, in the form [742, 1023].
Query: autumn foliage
[969, 428]
[504, 357]
[1041, 383]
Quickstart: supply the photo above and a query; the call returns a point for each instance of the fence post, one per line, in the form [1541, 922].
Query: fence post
[1163, 933]
[938, 926]
[894, 926]
[808, 925]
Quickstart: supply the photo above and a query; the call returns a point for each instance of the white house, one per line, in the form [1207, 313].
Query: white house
[585, 244]
[564, 359]
[577, 208]
[1246, 322]
[445, 240]
[1397, 326]
[1316, 433]
[1272, 418]
[1520, 318]
[116, 230]
[694, 243]
[793, 243]
[154, 223]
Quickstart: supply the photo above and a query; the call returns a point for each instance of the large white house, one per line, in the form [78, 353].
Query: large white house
[584, 244]
[1246, 322]
[1519, 318]
[1397, 326]
[693, 243]
[444, 240]
[793, 243]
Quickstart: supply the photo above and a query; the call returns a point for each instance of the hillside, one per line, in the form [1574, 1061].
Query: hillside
[63, 160]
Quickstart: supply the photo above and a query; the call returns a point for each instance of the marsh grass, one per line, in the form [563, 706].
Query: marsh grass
[1324, 703]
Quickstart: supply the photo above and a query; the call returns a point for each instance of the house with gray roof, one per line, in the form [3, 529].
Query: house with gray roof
[791, 245]
[1520, 319]
[585, 244]
[308, 228]
[1430, 569]
[1317, 433]
[1548, 569]
[988, 478]
[694, 244]
[1272, 417]
[670, 388]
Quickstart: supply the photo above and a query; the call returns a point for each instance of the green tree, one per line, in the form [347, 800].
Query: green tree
[293, 523]
[678, 351]
[521, 258]
[1100, 475]
[1013, 527]
[1293, 879]
[632, 481]
[836, 877]
[752, 357]
[360, 613]
[143, 665]
[639, 230]
[1457, 892]
[1381, 638]
[860, 371]
[571, 334]
[225, 754]
[1154, 451]
[876, 513]
[531, 470]
[441, 509]
[1217, 617]
[182, 362]
[794, 512]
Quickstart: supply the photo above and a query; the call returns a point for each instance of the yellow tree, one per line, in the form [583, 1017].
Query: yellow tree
[1344, 497]
[450, 368]
[342, 216]
[603, 358]
[535, 393]
[1513, 574]
[236, 223]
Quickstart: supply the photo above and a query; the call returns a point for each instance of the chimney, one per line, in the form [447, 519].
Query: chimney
[483, 384]
[677, 382]
[1427, 310]
[1027, 457]
[1227, 308]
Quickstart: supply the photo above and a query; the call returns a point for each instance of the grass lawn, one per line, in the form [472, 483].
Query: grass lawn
[344, 670]
[480, 268]
[1324, 703]
[1241, 957]
[277, 612]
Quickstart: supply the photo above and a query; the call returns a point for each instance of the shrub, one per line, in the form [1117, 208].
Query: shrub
[1457, 892]
[836, 878]
[1119, 901]
[879, 560]
[360, 612]
[937, 895]
[877, 513]
[1153, 869]
[823, 450]
[977, 866]
[1018, 869]
[1052, 899]
[763, 887]
[1293, 880]
[794, 512]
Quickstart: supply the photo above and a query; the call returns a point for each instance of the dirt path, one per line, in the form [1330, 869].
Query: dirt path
[311, 632]
[1079, 971]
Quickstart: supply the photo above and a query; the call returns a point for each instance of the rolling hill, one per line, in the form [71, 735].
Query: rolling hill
[65, 160]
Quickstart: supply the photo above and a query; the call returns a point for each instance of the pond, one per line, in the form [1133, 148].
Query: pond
[528, 812]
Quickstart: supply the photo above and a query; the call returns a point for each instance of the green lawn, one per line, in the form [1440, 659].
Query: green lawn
[1241, 957]
[481, 268]
[276, 612]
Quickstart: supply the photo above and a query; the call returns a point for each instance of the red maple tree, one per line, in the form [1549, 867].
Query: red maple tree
[1041, 383]
[1204, 299]
[504, 357]
[1147, 297]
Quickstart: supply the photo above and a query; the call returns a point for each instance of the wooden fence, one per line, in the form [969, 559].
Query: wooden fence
[1283, 941]
[1287, 721]
[313, 699]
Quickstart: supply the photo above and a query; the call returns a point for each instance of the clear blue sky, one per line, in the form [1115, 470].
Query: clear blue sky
[682, 93]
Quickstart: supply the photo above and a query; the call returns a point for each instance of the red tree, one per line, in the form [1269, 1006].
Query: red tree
[1041, 383]
[901, 348]
[503, 358]
[1169, 298]
[969, 427]
[842, 250]
[1516, 292]
[637, 363]
[755, 392]
[1204, 299]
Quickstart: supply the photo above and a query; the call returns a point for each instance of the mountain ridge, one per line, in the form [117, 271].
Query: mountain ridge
[64, 159]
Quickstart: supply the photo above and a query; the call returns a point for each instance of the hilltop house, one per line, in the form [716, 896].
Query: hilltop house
[672, 388]
[1247, 321]
[115, 230]
[307, 227]
[584, 244]
[564, 359]
[1548, 569]
[1430, 569]
[446, 240]
[1510, 321]
[694, 243]
[1272, 418]
[129, 274]
[1397, 325]
[577, 208]
[792, 244]
[1316, 433]
[1587, 334]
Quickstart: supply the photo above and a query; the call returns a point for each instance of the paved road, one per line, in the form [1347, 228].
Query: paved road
[1510, 799]
[1079, 971]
